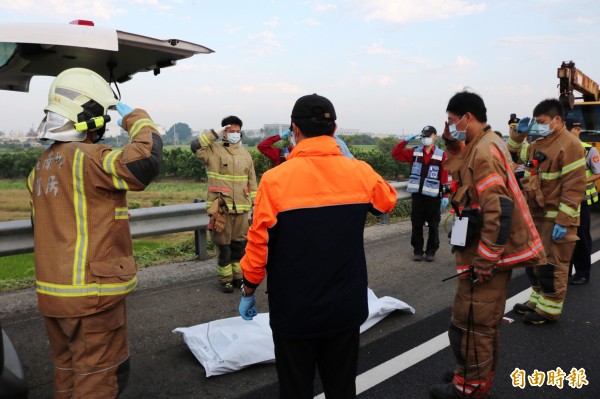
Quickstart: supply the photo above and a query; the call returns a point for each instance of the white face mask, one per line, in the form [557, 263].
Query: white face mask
[427, 141]
[544, 129]
[234, 138]
[293, 140]
[458, 135]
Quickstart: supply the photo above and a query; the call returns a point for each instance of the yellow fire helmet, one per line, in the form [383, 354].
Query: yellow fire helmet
[76, 95]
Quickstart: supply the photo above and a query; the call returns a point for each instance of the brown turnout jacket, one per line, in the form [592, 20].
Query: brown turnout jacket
[556, 187]
[230, 172]
[487, 185]
[82, 243]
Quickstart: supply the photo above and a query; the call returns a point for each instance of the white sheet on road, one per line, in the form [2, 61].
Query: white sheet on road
[227, 345]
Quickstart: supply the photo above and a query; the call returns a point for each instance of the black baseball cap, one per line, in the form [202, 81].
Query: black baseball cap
[572, 121]
[313, 106]
[428, 131]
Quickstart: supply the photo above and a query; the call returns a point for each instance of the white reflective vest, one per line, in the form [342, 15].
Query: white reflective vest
[425, 178]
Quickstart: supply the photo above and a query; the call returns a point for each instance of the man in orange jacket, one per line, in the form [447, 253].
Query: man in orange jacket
[307, 238]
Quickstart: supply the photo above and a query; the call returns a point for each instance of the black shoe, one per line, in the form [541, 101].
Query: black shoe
[430, 257]
[444, 391]
[578, 280]
[227, 288]
[417, 257]
[522, 308]
[536, 319]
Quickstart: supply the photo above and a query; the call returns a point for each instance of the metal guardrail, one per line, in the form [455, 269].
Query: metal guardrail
[16, 237]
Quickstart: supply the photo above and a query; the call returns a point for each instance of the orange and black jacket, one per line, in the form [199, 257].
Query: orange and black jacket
[307, 238]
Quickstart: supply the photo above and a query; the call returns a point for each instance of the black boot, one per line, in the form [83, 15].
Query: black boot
[444, 391]
[448, 376]
[536, 319]
[522, 308]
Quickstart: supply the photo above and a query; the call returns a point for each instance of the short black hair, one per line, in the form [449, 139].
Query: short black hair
[551, 107]
[466, 101]
[314, 127]
[499, 134]
[231, 120]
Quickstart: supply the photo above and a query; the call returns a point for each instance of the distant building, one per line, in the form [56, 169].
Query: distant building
[271, 129]
[348, 132]
[16, 134]
[251, 133]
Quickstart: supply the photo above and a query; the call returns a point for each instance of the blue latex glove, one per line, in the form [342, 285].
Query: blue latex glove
[343, 147]
[559, 231]
[285, 134]
[412, 137]
[248, 307]
[444, 204]
[524, 125]
[123, 110]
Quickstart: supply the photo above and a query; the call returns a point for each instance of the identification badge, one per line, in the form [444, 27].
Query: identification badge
[459, 232]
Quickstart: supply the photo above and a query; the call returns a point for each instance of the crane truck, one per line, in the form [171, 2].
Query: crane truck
[585, 108]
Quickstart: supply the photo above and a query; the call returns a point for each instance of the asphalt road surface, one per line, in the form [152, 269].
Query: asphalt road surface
[400, 357]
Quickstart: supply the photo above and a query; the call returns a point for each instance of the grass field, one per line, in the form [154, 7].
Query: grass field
[18, 271]
[14, 201]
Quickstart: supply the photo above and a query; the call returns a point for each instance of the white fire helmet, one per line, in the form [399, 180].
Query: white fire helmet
[76, 95]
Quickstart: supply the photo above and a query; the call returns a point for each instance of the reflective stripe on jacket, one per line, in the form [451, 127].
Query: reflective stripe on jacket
[591, 193]
[561, 175]
[307, 238]
[83, 251]
[230, 172]
[507, 237]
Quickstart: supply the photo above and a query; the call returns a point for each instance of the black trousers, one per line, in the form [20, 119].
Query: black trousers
[425, 209]
[335, 357]
[582, 254]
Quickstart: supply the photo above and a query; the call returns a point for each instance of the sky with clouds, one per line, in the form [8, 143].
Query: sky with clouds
[388, 66]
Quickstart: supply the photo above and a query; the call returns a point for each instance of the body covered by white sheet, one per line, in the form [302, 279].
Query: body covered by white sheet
[227, 345]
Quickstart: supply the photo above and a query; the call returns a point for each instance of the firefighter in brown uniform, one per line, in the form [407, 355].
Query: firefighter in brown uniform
[84, 262]
[500, 236]
[231, 191]
[554, 185]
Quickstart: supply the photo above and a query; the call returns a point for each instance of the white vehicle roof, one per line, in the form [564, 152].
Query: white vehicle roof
[28, 50]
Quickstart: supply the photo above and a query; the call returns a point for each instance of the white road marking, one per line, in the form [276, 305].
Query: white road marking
[378, 374]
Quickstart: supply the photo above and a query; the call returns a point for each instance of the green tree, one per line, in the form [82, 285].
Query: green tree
[386, 144]
[181, 162]
[359, 139]
[251, 142]
[18, 165]
[382, 163]
[179, 133]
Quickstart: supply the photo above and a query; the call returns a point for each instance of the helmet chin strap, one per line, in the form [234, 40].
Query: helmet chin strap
[99, 134]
